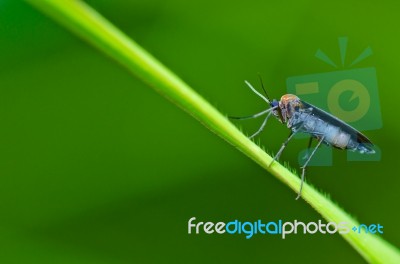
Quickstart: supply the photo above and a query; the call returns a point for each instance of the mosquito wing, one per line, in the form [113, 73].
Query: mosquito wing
[323, 115]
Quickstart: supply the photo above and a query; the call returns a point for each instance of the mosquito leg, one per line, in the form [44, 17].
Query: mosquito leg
[262, 126]
[256, 92]
[251, 116]
[308, 148]
[303, 172]
[291, 135]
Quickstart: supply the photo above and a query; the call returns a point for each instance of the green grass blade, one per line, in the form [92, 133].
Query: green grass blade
[91, 26]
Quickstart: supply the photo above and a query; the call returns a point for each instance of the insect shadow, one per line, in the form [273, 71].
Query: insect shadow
[303, 117]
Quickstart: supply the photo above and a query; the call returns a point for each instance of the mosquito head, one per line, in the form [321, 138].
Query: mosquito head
[288, 105]
[274, 104]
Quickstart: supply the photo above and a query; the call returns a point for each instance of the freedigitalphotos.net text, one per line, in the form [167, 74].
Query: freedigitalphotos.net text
[249, 229]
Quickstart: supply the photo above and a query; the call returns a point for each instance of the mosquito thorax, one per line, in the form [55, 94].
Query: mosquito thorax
[287, 98]
[288, 105]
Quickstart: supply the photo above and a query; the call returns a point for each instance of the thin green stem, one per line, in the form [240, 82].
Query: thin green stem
[91, 26]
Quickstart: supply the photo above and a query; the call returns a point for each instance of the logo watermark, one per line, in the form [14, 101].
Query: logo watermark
[348, 93]
[278, 228]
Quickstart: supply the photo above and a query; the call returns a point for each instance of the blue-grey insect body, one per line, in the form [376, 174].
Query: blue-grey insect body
[302, 117]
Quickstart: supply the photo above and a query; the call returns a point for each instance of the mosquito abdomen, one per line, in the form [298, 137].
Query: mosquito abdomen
[333, 135]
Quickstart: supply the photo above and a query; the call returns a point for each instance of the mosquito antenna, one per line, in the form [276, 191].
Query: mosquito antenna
[256, 92]
[262, 86]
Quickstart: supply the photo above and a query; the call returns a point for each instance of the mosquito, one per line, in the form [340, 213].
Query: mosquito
[302, 117]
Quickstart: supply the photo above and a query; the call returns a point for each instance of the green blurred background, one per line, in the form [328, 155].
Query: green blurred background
[98, 168]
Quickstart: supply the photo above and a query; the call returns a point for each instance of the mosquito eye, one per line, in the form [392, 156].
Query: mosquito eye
[274, 103]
